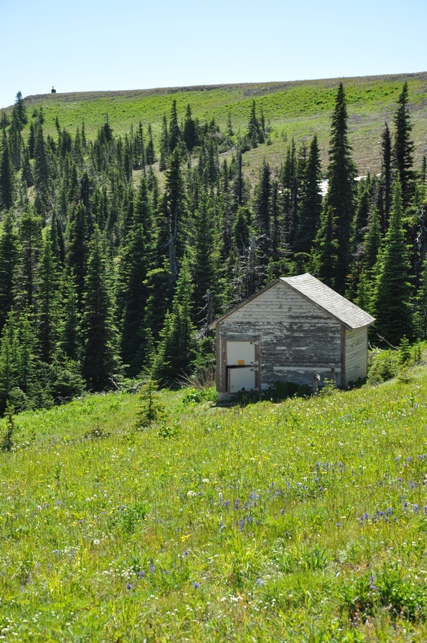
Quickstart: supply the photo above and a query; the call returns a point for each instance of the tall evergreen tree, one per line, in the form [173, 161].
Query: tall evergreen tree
[310, 206]
[48, 304]
[326, 257]
[77, 248]
[391, 304]
[6, 177]
[149, 153]
[189, 134]
[386, 178]
[403, 146]
[174, 131]
[100, 360]
[340, 195]
[9, 254]
[177, 341]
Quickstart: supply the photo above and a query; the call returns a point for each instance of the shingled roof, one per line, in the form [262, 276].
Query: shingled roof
[350, 315]
[347, 313]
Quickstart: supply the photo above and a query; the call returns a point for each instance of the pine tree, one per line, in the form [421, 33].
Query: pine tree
[175, 202]
[189, 133]
[100, 361]
[9, 361]
[164, 145]
[386, 178]
[134, 265]
[9, 255]
[27, 280]
[255, 133]
[205, 261]
[391, 304]
[69, 334]
[420, 318]
[174, 131]
[41, 168]
[326, 257]
[77, 248]
[340, 196]
[404, 147]
[177, 340]
[149, 153]
[48, 304]
[6, 177]
[310, 206]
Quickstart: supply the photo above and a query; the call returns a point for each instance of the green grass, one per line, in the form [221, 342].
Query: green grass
[300, 521]
[295, 109]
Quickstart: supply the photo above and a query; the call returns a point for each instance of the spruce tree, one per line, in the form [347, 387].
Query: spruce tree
[41, 168]
[6, 177]
[174, 131]
[310, 205]
[391, 303]
[189, 134]
[149, 153]
[77, 248]
[404, 147]
[9, 256]
[176, 349]
[386, 178]
[164, 145]
[27, 279]
[48, 302]
[100, 362]
[340, 195]
[326, 256]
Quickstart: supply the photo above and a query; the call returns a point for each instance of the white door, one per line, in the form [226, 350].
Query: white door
[241, 363]
[241, 378]
[240, 353]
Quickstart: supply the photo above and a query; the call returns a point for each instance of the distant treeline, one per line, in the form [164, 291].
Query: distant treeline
[104, 274]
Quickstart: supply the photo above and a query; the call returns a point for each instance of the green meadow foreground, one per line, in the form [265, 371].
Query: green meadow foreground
[299, 521]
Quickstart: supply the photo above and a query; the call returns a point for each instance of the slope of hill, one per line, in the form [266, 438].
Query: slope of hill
[300, 521]
[294, 110]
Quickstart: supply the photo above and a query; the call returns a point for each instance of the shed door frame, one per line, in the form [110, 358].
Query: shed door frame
[256, 340]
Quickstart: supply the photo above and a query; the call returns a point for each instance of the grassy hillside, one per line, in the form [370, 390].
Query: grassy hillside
[300, 521]
[295, 109]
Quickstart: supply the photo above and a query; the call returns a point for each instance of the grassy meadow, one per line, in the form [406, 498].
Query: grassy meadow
[294, 110]
[297, 521]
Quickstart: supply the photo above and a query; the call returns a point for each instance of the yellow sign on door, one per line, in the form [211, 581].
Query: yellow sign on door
[240, 362]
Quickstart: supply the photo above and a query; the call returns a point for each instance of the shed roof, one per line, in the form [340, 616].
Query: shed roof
[347, 313]
[332, 302]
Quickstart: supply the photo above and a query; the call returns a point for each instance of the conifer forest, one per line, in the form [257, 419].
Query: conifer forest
[117, 251]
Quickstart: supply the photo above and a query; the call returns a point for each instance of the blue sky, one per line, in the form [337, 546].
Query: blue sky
[134, 44]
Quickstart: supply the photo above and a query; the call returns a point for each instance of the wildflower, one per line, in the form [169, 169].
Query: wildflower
[196, 585]
[96, 541]
[140, 574]
[191, 494]
[339, 525]
[416, 508]
[259, 582]
[151, 565]
[372, 582]
[129, 586]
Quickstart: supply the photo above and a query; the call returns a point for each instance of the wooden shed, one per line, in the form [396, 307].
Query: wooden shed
[292, 330]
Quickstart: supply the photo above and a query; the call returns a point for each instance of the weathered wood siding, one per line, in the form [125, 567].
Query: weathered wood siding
[356, 354]
[297, 338]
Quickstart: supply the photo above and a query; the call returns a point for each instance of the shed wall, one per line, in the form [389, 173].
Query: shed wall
[296, 337]
[356, 354]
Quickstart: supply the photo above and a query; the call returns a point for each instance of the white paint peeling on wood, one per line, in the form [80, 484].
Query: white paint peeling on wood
[297, 335]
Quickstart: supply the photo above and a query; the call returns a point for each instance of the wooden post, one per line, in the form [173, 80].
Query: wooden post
[316, 378]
